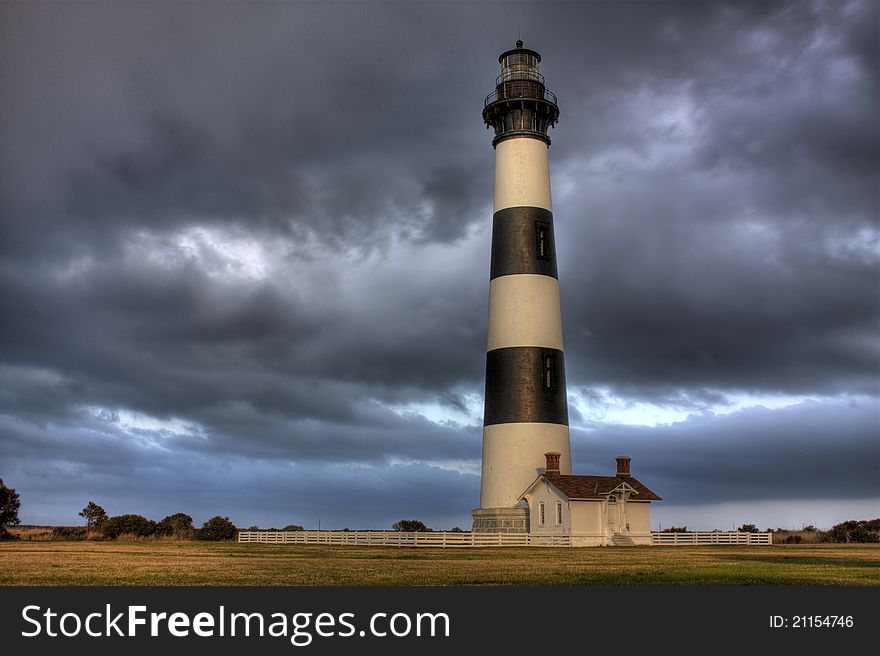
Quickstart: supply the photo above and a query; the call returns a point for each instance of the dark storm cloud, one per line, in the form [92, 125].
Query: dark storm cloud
[156, 481]
[725, 231]
[272, 222]
[308, 121]
[812, 450]
[815, 451]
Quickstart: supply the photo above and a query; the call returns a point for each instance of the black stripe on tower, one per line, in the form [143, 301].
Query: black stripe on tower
[523, 242]
[525, 384]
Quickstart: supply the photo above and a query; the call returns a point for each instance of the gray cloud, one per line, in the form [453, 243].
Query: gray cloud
[813, 450]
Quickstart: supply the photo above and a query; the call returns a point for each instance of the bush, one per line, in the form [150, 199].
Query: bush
[865, 530]
[6, 535]
[293, 527]
[675, 529]
[217, 528]
[748, 528]
[410, 526]
[793, 539]
[69, 533]
[179, 525]
[9, 505]
[130, 524]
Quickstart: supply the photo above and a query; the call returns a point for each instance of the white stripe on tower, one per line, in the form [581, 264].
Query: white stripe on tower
[522, 174]
[510, 452]
[524, 311]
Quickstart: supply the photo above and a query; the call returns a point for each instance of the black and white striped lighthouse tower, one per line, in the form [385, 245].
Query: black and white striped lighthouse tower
[526, 411]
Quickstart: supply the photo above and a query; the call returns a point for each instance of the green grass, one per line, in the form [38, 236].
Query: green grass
[202, 563]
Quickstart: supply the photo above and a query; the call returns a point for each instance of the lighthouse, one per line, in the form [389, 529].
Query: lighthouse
[526, 410]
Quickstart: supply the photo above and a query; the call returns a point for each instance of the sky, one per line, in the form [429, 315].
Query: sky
[244, 255]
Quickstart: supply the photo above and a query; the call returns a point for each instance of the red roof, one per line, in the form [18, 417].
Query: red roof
[598, 487]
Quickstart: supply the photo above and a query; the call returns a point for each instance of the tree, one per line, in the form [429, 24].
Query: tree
[675, 529]
[217, 528]
[9, 505]
[94, 514]
[748, 528]
[293, 527]
[178, 525]
[864, 530]
[410, 526]
[137, 525]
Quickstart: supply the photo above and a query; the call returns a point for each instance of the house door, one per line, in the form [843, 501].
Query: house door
[613, 517]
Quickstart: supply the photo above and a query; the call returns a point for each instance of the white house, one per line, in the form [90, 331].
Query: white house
[594, 510]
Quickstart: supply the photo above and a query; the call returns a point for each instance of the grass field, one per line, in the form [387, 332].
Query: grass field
[201, 563]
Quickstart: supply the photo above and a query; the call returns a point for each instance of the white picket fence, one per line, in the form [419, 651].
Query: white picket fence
[445, 539]
[716, 537]
[439, 539]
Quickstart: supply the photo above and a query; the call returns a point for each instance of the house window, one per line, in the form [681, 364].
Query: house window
[559, 513]
[549, 371]
[542, 236]
[541, 513]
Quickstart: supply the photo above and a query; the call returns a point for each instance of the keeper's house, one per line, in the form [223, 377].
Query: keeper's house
[594, 510]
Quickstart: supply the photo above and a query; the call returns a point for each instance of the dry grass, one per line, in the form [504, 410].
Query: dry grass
[131, 537]
[807, 537]
[31, 533]
[45, 534]
[201, 563]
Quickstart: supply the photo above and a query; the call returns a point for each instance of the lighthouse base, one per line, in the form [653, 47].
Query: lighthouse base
[500, 520]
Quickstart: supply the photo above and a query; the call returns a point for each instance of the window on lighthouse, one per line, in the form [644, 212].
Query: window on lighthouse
[549, 372]
[542, 235]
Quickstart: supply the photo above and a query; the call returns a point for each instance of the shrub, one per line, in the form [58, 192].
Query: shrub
[178, 525]
[69, 533]
[410, 526]
[6, 535]
[793, 539]
[128, 524]
[675, 529]
[293, 527]
[856, 531]
[748, 528]
[217, 528]
[9, 505]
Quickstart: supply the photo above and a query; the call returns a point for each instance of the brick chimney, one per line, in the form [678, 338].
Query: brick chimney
[623, 466]
[552, 462]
